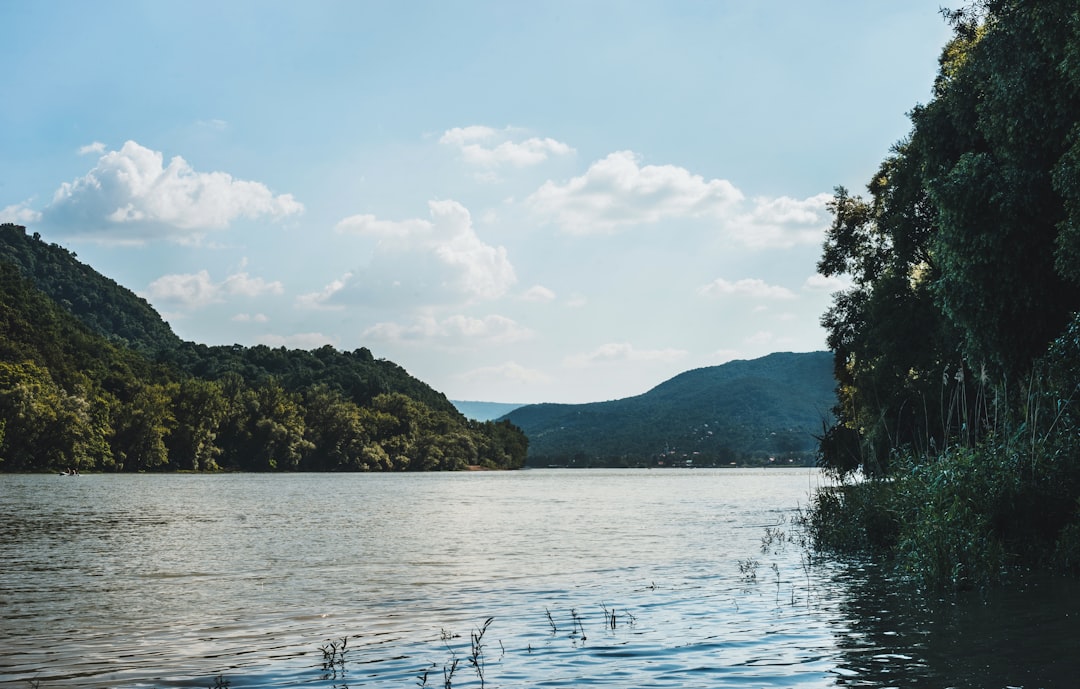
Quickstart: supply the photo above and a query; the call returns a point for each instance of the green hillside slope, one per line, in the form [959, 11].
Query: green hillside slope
[115, 313]
[92, 378]
[742, 411]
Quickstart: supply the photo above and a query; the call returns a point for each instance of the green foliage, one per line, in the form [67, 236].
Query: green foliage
[956, 348]
[101, 304]
[110, 388]
[741, 411]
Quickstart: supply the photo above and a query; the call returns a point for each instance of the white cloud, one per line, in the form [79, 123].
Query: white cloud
[489, 147]
[242, 284]
[538, 293]
[620, 352]
[427, 261]
[748, 287]
[320, 301]
[819, 283]
[510, 371]
[297, 340]
[131, 193]
[20, 214]
[457, 329]
[188, 291]
[195, 290]
[96, 147]
[617, 192]
[782, 222]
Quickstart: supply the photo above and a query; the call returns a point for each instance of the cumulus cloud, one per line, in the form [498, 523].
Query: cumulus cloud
[619, 192]
[747, 287]
[20, 214]
[242, 284]
[457, 329]
[133, 194]
[489, 147]
[620, 352]
[191, 291]
[782, 222]
[423, 261]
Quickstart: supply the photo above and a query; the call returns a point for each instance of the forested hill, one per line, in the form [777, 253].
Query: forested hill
[92, 378]
[108, 309]
[742, 411]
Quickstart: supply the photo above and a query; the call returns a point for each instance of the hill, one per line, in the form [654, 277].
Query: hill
[742, 411]
[106, 308]
[92, 378]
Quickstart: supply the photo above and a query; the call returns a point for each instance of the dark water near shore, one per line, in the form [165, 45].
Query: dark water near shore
[175, 581]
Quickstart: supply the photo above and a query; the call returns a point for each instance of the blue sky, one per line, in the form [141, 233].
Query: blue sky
[517, 202]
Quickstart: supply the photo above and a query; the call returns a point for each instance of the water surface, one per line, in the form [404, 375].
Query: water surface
[600, 578]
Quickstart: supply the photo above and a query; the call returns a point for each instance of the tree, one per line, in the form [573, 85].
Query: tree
[199, 407]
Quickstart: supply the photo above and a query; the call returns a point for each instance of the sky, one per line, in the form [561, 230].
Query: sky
[516, 202]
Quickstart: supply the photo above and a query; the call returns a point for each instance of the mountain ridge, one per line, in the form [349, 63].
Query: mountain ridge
[744, 411]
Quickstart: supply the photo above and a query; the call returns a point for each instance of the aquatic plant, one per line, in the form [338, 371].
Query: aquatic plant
[476, 652]
[333, 653]
[551, 621]
[748, 569]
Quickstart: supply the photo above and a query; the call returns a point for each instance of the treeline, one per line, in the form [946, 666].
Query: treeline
[73, 398]
[957, 348]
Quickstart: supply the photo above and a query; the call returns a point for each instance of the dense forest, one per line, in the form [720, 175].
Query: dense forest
[761, 412]
[91, 378]
[957, 347]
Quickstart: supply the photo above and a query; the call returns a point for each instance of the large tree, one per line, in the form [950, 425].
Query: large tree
[965, 259]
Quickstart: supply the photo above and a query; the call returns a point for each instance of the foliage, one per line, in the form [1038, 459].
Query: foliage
[101, 304]
[75, 393]
[742, 411]
[955, 348]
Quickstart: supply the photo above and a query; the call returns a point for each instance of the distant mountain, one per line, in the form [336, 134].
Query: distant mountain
[742, 411]
[484, 411]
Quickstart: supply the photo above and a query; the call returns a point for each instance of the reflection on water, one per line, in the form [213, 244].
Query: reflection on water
[1025, 636]
[591, 578]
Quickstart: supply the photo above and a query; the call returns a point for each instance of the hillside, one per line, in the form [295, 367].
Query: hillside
[742, 411]
[92, 378]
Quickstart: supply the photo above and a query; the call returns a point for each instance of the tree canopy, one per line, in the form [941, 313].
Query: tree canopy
[955, 346]
[91, 378]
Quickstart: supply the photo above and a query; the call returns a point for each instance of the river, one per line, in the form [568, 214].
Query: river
[590, 578]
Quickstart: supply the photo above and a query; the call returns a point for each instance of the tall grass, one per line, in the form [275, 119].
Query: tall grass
[1003, 491]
